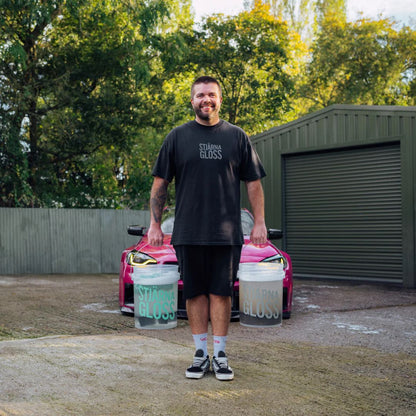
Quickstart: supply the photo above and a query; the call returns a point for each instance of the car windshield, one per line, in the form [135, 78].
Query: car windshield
[168, 219]
[246, 222]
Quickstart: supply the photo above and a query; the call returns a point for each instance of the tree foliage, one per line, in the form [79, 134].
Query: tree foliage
[73, 75]
[305, 16]
[248, 54]
[89, 88]
[356, 63]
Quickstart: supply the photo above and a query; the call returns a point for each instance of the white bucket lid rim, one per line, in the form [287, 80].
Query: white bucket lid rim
[276, 275]
[159, 274]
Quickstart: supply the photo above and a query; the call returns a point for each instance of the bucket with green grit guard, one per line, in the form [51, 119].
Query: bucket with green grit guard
[155, 296]
[261, 294]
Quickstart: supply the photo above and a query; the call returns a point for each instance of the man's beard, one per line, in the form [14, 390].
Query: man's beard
[206, 116]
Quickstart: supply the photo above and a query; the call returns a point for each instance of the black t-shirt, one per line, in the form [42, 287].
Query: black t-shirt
[208, 163]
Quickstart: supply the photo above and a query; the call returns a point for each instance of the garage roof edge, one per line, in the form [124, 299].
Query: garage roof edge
[333, 109]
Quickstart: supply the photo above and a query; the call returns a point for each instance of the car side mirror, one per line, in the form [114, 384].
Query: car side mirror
[136, 230]
[273, 234]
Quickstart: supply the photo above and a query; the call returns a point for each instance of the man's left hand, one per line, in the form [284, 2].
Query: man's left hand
[258, 234]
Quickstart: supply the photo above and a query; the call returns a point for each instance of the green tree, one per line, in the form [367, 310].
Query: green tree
[299, 15]
[74, 78]
[22, 26]
[305, 16]
[354, 63]
[326, 9]
[406, 44]
[248, 54]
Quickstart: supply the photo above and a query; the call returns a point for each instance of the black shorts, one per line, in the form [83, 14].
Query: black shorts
[208, 269]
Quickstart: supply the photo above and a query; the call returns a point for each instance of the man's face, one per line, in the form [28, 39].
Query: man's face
[206, 102]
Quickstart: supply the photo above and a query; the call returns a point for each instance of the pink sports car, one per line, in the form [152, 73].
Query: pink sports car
[144, 254]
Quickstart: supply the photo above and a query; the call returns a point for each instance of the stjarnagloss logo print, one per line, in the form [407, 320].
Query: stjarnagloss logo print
[210, 151]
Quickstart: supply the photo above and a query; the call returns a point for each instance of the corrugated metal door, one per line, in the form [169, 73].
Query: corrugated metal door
[343, 216]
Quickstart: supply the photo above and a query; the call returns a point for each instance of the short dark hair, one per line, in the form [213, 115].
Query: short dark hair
[205, 80]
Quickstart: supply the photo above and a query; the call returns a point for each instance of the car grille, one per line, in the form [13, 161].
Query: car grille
[128, 293]
[181, 305]
[284, 298]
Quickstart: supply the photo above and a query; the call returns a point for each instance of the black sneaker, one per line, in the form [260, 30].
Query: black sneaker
[199, 367]
[221, 368]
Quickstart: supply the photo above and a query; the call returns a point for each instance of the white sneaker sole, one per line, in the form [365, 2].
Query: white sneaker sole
[224, 377]
[194, 375]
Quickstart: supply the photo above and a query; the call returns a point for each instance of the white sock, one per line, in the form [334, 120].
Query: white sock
[200, 341]
[219, 344]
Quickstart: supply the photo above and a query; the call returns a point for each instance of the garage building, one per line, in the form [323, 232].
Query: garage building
[341, 184]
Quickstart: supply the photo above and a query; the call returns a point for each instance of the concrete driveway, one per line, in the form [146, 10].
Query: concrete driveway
[348, 349]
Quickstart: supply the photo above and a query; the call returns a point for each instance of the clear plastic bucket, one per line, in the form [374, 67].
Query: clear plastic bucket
[261, 294]
[155, 296]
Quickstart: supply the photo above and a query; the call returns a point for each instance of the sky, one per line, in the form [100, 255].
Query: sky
[401, 10]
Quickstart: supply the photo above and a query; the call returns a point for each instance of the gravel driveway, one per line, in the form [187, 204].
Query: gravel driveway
[348, 349]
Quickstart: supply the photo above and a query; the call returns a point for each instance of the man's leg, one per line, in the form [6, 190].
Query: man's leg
[197, 309]
[220, 319]
[220, 312]
[198, 315]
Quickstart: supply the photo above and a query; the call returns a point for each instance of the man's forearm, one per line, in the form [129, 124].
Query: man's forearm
[256, 198]
[158, 197]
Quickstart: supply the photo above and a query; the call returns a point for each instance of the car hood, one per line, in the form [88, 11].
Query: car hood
[166, 253]
[254, 253]
[163, 254]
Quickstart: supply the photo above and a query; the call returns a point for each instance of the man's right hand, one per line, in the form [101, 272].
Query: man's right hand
[155, 235]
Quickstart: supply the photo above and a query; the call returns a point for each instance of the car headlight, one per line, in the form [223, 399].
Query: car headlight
[276, 259]
[137, 258]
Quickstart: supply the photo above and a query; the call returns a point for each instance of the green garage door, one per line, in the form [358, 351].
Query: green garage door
[343, 215]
